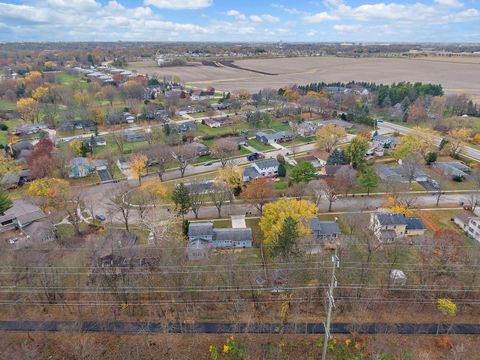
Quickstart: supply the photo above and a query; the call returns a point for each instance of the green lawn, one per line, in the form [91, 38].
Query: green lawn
[259, 145]
[198, 115]
[278, 126]
[299, 141]
[68, 79]
[7, 105]
[281, 185]
[206, 130]
[12, 124]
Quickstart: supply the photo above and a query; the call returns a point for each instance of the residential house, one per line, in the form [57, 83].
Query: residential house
[261, 168]
[116, 118]
[200, 149]
[80, 167]
[277, 137]
[455, 170]
[384, 141]
[239, 140]
[99, 141]
[28, 129]
[391, 226]
[199, 95]
[324, 229]
[185, 127]
[331, 170]
[213, 122]
[20, 215]
[397, 174]
[198, 249]
[307, 128]
[220, 238]
[317, 160]
[77, 125]
[22, 149]
[132, 136]
[469, 223]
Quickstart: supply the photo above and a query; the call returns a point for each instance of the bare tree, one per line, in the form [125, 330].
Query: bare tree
[224, 149]
[111, 158]
[184, 156]
[160, 155]
[315, 191]
[410, 167]
[219, 195]
[121, 202]
[119, 140]
[346, 179]
[196, 191]
[329, 191]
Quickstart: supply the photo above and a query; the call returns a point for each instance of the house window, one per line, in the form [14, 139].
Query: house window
[7, 222]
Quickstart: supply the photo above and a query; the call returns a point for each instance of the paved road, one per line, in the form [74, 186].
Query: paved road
[139, 327]
[465, 150]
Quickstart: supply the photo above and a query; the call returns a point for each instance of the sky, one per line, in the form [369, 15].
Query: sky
[241, 20]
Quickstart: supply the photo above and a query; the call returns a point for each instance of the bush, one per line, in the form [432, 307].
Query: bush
[3, 127]
[431, 158]
[282, 170]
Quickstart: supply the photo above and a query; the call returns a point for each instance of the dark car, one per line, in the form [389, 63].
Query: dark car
[100, 217]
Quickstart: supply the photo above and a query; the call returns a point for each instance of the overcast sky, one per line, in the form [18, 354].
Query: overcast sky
[241, 20]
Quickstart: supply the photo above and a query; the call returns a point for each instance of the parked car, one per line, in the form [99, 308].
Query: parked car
[255, 156]
[100, 217]
[208, 163]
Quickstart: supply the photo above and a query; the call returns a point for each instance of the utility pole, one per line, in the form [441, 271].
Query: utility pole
[331, 302]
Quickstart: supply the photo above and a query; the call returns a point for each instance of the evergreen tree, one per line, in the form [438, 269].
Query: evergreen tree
[282, 170]
[5, 202]
[337, 157]
[181, 199]
[285, 244]
[369, 179]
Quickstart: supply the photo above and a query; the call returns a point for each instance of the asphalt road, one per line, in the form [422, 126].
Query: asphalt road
[465, 150]
[139, 327]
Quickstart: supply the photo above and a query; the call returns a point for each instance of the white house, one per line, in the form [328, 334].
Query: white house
[469, 223]
[262, 168]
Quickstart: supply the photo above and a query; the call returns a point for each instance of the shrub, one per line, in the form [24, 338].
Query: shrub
[3, 127]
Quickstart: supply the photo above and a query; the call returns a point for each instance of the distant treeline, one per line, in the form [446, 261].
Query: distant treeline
[386, 94]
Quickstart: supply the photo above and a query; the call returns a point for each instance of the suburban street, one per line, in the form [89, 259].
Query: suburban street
[466, 151]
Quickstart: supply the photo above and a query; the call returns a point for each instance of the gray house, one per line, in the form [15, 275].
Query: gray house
[324, 229]
[220, 238]
[261, 168]
[20, 215]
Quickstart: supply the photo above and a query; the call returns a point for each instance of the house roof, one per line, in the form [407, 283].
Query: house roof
[40, 230]
[453, 168]
[400, 219]
[267, 163]
[199, 229]
[24, 212]
[326, 228]
[464, 217]
[80, 161]
[235, 234]
[251, 172]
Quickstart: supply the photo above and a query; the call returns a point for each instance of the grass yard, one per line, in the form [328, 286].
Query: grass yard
[259, 145]
[299, 141]
[7, 105]
[206, 130]
[281, 185]
[12, 124]
[68, 79]
[278, 126]
[438, 220]
[198, 115]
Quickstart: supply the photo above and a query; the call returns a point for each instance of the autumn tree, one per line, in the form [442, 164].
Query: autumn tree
[133, 89]
[138, 165]
[355, 152]
[154, 190]
[418, 140]
[456, 138]
[9, 166]
[275, 214]
[28, 109]
[233, 176]
[224, 149]
[417, 112]
[41, 162]
[329, 136]
[49, 191]
[259, 192]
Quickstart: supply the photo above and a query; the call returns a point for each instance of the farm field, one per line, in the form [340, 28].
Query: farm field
[456, 76]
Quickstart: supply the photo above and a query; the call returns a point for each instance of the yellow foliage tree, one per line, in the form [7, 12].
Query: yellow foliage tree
[419, 140]
[274, 215]
[447, 307]
[456, 137]
[33, 76]
[395, 206]
[50, 190]
[28, 109]
[50, 65]
[232, 175]
[40, 93]
[76, 147]
[329, 136]
[154, 188]
[8, 165]
[138, 165]
[291, 94]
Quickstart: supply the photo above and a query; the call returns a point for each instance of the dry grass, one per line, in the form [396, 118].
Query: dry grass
[456, 76]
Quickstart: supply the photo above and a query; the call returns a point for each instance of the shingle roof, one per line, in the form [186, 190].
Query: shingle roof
[233, 234]
[268, 163]
[400, 219]
[198, 229]
[251, 172]
[326, 228]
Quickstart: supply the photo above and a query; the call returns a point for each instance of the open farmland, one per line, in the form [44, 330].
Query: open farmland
[455, 76]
